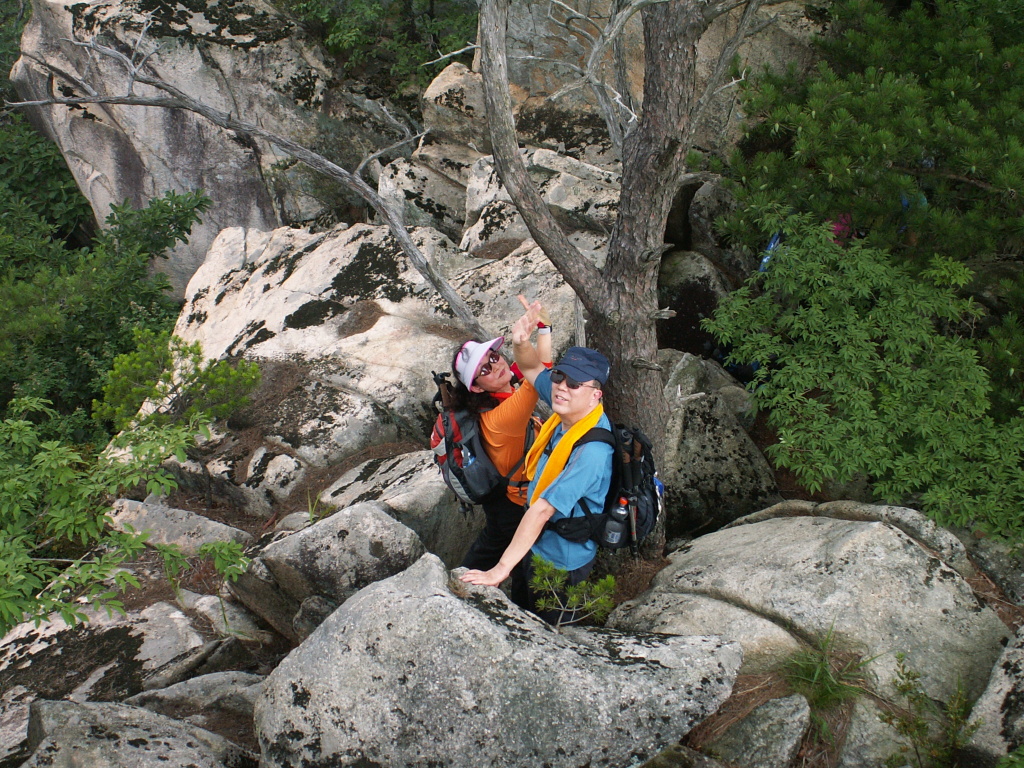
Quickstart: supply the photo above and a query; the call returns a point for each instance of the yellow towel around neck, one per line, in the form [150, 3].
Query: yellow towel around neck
[560, 454]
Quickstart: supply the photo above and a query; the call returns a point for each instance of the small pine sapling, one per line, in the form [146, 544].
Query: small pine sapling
[586, 600]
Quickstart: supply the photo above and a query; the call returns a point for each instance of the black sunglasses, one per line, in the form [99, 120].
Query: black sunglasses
[485, 369]
[557, 377]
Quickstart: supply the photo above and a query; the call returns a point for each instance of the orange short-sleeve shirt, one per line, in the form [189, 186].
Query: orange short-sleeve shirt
[504, 432]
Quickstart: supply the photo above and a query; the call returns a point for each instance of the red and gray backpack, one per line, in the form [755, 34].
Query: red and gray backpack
[459, 451]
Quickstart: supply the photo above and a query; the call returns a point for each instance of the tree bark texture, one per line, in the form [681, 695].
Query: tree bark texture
[622, 298]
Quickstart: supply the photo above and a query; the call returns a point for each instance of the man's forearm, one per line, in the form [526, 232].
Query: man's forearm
[529, 530]
[526, 535]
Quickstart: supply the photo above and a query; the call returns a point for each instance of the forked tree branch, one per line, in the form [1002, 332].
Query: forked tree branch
[176, 99]
[579, 273]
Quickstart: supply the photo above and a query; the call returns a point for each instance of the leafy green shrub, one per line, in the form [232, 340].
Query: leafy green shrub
[857, 378]
[587, 600]
[64, 319]
[56, 548]
[1002, 351]
[228, 559]
[910, 127]
[38, 194]
[908, 133]
[1013, 760]
[393, 37]
[176, 379]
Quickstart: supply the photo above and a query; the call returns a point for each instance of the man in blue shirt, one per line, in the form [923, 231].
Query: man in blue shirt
[561, 473]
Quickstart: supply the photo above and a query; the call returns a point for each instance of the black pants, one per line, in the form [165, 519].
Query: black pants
[503, 516]
[525, 597]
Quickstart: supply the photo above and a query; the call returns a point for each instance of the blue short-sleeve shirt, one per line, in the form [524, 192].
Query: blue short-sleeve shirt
[587, 475]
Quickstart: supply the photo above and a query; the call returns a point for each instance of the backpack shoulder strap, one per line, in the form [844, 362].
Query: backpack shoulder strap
[597, 435]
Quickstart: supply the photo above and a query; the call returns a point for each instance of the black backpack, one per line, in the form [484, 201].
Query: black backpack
[634, 478]
[459, 449]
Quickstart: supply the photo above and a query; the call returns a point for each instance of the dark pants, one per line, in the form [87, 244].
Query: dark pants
[525, 597]
[503, 516]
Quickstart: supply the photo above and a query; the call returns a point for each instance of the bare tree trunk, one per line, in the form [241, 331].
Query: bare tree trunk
[653, 165]
[621, 299]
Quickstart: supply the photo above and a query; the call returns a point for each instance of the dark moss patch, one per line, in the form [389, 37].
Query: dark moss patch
[253, 333]
[312, 313]
[374, 272]
[289, 260]
[360, 318]
[571, 132]
[455, 98]
[71, 658]
[432, 207]
[235, 23]
[304, 88]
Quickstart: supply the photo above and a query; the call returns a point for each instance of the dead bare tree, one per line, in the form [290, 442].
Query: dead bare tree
[170, 97]
[621, 297]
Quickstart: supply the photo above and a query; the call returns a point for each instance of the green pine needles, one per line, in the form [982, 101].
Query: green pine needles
[586, 600]
[175, 381]
[888, 325]
[859, 379]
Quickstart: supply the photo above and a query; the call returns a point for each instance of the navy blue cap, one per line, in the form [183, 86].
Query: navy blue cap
[584, 364]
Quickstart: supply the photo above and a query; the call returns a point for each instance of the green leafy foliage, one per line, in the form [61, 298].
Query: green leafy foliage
[586, 600]
[64, 318]
[909, 136]
[1013, 760]
[57, 553]
[934, 734]
[13, 15]
[909, 131]
[1002, 351]
[859, 379]
[228, 558]
[389, 37]
[176, 379]
[38, 197]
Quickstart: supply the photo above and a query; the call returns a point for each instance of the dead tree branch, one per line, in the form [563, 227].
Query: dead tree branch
[579, 273]
[174, 98]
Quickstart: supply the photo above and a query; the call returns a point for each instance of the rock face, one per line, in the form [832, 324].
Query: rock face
[411, 489]
[187, 530]
[329, 560]
[347, 334]
[243, 58]
[769, 737]
[713, 470]
[999, 709]
[869, 584]
[532, 34]
[65, 733]
[209, 701]
[410, 672]
[104, 659]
